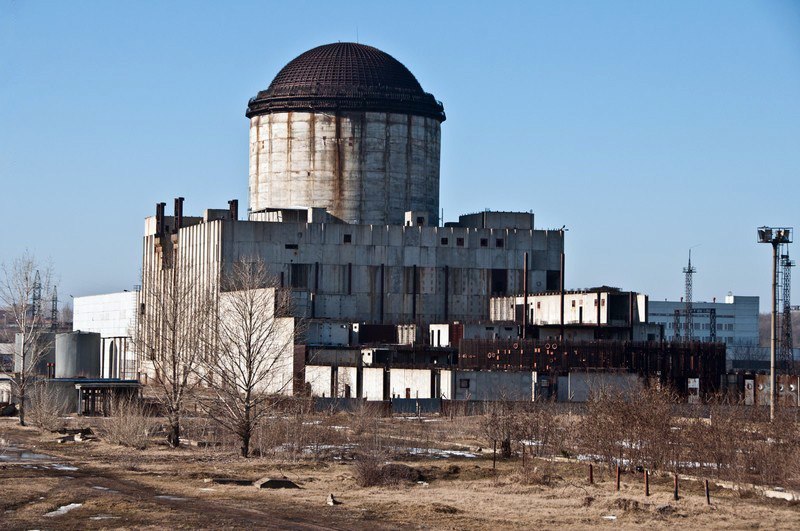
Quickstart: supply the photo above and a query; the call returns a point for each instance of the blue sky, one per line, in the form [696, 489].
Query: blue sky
[644, 127]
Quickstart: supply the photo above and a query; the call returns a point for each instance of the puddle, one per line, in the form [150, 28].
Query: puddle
[104, 517]
[170, 498]
[65, 468]
[13, 454]
[64, 509]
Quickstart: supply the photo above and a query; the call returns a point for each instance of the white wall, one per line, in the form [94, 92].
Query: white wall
[112, 315]
[417, 381]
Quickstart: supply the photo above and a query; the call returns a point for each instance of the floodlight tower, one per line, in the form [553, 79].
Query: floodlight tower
[688, 271]
[777, 236]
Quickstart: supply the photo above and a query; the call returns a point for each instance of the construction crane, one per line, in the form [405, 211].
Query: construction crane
[785, 354]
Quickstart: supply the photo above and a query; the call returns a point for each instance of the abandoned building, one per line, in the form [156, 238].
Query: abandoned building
[394, 301]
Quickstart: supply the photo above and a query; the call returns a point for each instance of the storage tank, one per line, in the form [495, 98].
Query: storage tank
[348, 128]
[78, 355]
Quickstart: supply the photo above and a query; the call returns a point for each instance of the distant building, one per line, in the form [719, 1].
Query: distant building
[736, 321]
[113, 316]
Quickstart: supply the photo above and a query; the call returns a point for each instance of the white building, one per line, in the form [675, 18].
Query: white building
[736, 320]
[113, 316]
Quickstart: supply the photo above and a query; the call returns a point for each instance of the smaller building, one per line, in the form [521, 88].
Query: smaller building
[114, 317]
[734, 321]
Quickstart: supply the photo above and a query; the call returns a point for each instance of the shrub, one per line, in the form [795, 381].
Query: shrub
[46, 408]
[128, 425]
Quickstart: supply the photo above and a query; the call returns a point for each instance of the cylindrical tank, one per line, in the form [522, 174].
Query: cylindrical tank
[78, 355]
[348, 128]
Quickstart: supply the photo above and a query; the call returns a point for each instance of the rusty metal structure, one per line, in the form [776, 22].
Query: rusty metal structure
[668, 363]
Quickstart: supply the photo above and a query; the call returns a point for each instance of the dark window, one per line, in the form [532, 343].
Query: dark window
[460, 242]
[348, 238]
[499, 242]
[463, 383]
[298, 276]
[444, 241]
[499, 281]
[420, 220]
[553, 280]
[291, 246]
[484, 242]
[573, 304]
[538, 305]
[141, 309]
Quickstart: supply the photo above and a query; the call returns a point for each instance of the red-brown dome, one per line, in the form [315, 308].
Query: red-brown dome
[345, 76]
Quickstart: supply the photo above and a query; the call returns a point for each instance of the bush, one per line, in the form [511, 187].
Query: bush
[128, 425]
[46, 408]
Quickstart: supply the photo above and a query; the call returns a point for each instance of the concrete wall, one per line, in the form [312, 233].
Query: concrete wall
[491, 385]
[410, 383]
[364, 167]
[373, 383]
[580, 385]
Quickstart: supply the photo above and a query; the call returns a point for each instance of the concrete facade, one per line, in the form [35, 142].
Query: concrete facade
[362, 167]
[366, 273]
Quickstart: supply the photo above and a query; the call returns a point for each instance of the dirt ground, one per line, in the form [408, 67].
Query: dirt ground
[160, 487]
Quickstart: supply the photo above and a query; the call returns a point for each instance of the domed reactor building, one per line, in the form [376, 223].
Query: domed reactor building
[344, 211]
[346, 127]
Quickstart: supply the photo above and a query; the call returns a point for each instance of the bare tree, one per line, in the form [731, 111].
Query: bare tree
[24, 284]
[252, 361]
[175, 315]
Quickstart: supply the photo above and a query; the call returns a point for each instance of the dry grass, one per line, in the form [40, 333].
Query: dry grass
[461, 493]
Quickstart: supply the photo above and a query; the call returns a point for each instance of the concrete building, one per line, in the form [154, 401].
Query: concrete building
[114, 317]
[588, 315]
[736, 321]
[344, 206]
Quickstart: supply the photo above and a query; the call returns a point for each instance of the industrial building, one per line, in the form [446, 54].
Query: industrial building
[388, 300]
[733, 322]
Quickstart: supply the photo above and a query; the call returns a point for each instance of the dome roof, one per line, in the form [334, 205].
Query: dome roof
[345, 76]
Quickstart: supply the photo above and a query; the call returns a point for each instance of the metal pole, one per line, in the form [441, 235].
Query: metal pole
[774, 331]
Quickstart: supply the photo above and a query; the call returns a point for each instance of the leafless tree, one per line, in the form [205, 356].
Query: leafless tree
[176, 312]
[23, 281]
[252, 360]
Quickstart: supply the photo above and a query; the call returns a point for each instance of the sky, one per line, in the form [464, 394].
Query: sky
[646, 128]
